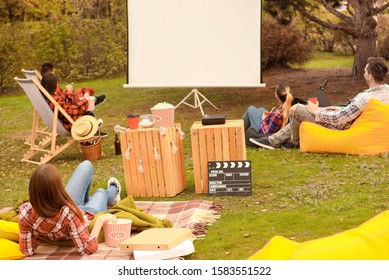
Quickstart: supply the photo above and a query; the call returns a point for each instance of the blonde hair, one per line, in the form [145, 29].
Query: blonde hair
[284, 94]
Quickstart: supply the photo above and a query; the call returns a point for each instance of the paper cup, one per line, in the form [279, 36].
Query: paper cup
[133, 121]
[116, 233]
[313, 99]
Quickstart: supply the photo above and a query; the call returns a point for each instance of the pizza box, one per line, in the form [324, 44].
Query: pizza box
[183, 249]
[156, 239]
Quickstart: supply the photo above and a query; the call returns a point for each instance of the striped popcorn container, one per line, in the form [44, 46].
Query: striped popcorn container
[115, 233]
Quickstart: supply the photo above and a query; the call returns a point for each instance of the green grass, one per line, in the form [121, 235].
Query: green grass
[327, 60]
[297, 195]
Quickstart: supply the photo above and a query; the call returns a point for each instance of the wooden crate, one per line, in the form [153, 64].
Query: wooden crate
[215, 142]
[164, 177]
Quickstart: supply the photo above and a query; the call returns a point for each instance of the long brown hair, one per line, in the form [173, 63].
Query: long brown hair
[286, 97]
[47, 192]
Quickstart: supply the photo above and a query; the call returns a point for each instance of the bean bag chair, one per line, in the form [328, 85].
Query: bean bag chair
[9, 238]
[369, 134]
[368, 241]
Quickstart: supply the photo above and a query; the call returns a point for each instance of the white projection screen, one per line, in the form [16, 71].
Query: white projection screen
[194, 43]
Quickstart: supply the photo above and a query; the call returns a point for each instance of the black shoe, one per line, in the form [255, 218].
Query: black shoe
[289, 145]
[252, 133]
[100, 99]
[262, 142]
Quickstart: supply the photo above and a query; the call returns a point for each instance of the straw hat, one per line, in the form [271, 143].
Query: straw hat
[84, 127]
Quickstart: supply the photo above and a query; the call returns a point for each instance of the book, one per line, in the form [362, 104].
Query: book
[156, 239]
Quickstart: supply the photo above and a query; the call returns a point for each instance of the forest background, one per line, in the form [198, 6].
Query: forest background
[87, 39]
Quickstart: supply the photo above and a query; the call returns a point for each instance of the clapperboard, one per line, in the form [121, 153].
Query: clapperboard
[229, 178]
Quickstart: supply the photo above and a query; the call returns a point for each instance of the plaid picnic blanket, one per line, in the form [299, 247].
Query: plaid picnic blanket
[193, 214]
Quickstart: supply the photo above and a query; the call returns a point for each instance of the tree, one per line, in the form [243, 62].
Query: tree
[357, 18]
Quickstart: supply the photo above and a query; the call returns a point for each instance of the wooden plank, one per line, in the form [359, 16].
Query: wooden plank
[132, 164]
[152, 163]
[218, 143]
[174, 160]
[226, 144]
[137, 157]
[181, 160]
[210, 145]
[145, 163]
[126, 163]
[203, 161]
[232, 140]
[167, 163]
[159, 165]
[194, 137]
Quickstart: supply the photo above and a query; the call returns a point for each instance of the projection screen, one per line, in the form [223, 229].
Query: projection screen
[194, 43]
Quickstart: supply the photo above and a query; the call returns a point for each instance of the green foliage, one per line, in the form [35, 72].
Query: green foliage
[283, 44]
[80, 49]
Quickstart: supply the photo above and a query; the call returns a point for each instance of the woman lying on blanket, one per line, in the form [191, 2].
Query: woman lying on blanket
[59, 213]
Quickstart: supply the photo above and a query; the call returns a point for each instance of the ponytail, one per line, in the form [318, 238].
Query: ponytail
[285, 108]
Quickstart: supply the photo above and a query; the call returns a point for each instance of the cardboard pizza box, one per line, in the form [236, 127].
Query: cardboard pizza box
[183, 249]
[156, 239]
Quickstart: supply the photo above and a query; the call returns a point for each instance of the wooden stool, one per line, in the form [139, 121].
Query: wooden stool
[153, 161]
[212, 143]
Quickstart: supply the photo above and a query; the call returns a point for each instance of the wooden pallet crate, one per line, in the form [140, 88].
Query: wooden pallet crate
[153, 161]
[215, 142]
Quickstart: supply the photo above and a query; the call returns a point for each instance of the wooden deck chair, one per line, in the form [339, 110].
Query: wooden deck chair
[44, 140]
[32, 74]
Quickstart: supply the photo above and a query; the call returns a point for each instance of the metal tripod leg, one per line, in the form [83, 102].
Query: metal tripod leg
[197, 101]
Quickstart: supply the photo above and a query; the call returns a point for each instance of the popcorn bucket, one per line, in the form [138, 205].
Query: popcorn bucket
[116, 233]
[166, 112]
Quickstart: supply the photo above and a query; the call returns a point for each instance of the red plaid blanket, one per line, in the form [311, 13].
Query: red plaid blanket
[193, 214]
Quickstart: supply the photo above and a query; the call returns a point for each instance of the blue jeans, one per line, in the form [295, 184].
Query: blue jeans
[79, 185]
[253, 117]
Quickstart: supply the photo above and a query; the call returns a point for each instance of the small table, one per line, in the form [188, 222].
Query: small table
[222, 142]
[153, 161]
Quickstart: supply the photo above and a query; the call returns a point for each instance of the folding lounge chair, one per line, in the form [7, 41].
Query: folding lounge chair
[32, 74]
[44, 140]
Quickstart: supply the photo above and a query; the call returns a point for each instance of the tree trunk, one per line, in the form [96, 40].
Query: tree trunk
[364, 48]
[365, 35]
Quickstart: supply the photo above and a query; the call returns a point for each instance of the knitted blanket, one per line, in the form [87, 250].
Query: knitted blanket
[193, 214]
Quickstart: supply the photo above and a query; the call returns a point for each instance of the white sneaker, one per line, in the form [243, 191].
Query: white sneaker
[116, 183]
[100, 122]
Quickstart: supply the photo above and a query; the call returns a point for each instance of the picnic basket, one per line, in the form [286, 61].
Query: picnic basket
[91, 148]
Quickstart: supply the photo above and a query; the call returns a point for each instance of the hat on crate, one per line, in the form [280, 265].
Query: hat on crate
[84, 127]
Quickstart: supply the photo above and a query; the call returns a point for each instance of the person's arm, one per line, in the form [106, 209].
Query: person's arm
[341, 117]
[100, 222]
[27, 241]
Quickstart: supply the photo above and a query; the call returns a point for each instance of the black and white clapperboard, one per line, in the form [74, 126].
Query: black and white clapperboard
[229, 177]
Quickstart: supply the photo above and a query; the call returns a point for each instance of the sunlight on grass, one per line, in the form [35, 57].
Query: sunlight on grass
[327, 60]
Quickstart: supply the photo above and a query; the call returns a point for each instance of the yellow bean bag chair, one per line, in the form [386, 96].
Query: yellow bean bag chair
[369, 134]
[369, 241]
[9, 238]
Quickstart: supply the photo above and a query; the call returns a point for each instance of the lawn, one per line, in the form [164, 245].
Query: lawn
[298, 195]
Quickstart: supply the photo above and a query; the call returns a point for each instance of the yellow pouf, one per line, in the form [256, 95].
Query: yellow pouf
[9, 236]
[369, 134]
[369, 241]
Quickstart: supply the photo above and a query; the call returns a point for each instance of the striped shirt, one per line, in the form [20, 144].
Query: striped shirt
[65, 225]
[343, 118]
